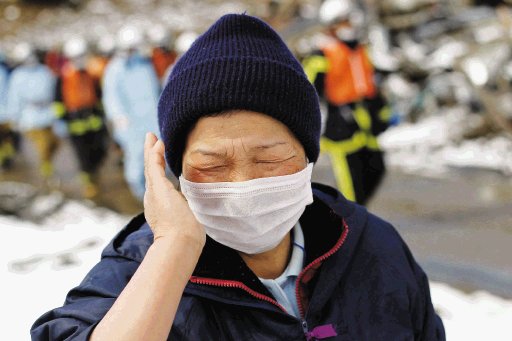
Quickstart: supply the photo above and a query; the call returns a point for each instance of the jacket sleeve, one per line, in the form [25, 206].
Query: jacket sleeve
[86, 304]
[4, 82]
[13, 102]
[316, 66]
[111, 103]
[427, 323]
[380, 113]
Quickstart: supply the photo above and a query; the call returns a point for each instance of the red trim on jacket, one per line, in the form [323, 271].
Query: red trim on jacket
[304, 277]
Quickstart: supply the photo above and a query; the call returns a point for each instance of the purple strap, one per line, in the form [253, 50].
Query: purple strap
[321, 332]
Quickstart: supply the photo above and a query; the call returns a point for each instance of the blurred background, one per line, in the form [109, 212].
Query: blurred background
[79, 85]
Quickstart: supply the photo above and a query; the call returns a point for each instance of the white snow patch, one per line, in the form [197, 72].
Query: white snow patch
[40, 263]
[476, 316]
[434, 144]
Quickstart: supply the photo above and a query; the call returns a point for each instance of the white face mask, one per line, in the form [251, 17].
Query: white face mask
[250, 216]
[347, 34]
[80, 62]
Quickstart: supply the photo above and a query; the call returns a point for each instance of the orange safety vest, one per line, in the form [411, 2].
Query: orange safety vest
[78, 89]
[162, 60]
[349, 77]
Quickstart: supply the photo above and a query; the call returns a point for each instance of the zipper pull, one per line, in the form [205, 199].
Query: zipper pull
[305, 327]
[321, 332]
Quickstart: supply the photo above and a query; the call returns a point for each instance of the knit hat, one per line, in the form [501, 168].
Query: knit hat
[239, 63]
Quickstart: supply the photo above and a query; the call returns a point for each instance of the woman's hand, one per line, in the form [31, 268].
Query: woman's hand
[166, 210]
[146, 307]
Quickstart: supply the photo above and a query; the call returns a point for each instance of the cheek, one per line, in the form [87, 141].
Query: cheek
[268, 170]
[295, 168]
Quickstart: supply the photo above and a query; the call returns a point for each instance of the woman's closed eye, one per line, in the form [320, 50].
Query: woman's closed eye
[207, 168]
[274, 160]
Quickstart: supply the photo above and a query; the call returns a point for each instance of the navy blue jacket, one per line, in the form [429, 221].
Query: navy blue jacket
[360, 282]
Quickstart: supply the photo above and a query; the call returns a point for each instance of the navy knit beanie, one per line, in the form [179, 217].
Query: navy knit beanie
[239, 63]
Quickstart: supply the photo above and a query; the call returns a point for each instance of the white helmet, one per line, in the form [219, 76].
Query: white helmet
[185, 40]
[75, 47]
[333, 11]
[106, 44]
[22, 52]
[129, 37]
[159, 35]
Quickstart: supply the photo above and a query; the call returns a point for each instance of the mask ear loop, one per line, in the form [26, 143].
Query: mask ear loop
[178, 184]
[178, 188]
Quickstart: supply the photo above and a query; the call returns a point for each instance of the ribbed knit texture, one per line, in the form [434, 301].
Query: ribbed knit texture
[239, 63]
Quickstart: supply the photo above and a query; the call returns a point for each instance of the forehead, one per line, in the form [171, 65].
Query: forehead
[252, 127]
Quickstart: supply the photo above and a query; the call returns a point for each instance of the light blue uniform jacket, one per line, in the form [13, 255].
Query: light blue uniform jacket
[4, 82]
[131, 90]
[31, 92]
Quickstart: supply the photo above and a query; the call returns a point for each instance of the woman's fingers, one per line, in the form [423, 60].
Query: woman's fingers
[154, 161]
[148, 143]
[150, 140]
[165, 209]
[159, 150]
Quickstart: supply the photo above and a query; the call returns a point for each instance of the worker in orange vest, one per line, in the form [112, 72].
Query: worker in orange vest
[80, 109]
[354, 111]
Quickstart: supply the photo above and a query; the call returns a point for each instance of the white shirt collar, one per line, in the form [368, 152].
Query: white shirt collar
[297, 259]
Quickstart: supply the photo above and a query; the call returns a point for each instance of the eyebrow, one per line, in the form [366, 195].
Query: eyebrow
[269, 145]
[207, 152]
[224, 154]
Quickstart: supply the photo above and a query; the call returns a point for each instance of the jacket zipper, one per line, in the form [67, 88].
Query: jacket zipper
[235, 284]
[329, 253]
[240, 285]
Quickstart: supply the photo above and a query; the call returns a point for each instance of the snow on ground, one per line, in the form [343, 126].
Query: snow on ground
[434, 144]
[42, 261]
[475, 316]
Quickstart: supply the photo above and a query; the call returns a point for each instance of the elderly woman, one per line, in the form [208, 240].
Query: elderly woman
[251, 250]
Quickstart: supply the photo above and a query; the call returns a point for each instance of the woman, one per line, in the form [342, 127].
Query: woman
[251, 250]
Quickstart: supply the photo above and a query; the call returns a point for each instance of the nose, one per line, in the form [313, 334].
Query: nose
[240, 173]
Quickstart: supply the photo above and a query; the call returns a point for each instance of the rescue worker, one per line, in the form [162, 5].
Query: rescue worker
[30, 97]
[7, 147]
[162, 54]
[130, 96]
[355, 111]
[80, 110]
[251, 249]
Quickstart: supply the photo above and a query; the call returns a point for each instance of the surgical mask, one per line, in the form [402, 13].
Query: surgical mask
[80, 62]
[347, 34]
[250, 216]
